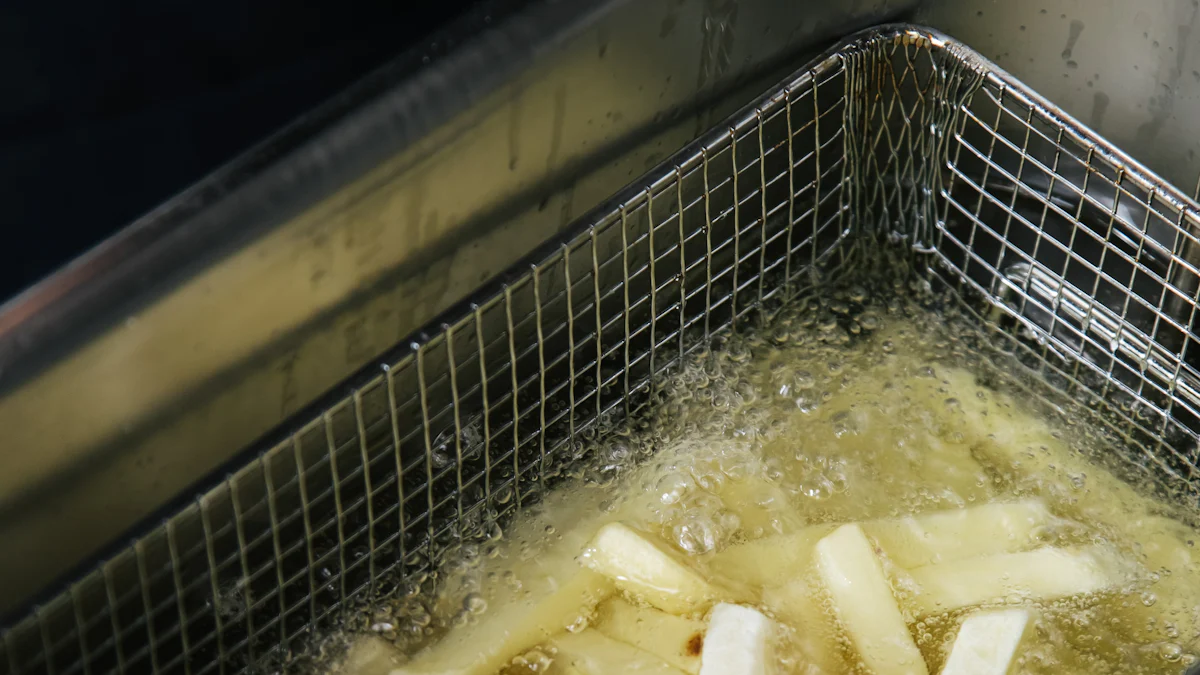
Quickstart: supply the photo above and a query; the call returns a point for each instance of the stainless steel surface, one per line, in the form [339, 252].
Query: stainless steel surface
[901, 137]
[220, 314]
[153, 360]
[1130, 70]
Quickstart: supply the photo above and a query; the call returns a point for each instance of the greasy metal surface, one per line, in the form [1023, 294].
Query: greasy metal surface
[899, 136]
[225, 311]
[155, 359]
[1129, 70]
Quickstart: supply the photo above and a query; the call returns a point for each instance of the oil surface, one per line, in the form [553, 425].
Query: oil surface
[859, 404]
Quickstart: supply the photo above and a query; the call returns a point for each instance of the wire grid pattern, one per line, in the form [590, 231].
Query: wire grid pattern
[1087, 253]
[898, 135]
[473, 421]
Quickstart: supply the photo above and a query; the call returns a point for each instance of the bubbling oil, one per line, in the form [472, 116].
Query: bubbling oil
[862, 402]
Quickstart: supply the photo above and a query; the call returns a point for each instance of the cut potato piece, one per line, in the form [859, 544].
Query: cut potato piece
[738, 642]
[1164, 548]
[783, 567]
[1026, 450]
[369, 655]
[913, 541]
[511, 627]
[671, 638]
[941, 536]
[1043, 574]
[590, 652]
[854, 577]
[1170, 549]
[987, 643]
[546, 590]
[648, 570]
[772, 561]
[799, 603]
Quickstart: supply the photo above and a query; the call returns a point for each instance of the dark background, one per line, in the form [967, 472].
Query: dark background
[109, 108]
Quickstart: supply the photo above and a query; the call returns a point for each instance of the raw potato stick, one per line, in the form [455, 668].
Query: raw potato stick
[510, 628]
[554, 590]
[369, 655]
[648, 570]
[771, 561]
[941, 536]
[1027, 449]
[855, 580]
[912, 541]
[673, 639]
[987, 643]
[590, 652]
[1043, 574]
[799, 603]
[783, 567]
[738, 642]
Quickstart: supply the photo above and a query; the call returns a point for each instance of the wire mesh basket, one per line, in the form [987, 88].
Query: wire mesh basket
[899, 136]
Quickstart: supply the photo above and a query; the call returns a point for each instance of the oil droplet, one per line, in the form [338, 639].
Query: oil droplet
[474, 603]
[1170, 652]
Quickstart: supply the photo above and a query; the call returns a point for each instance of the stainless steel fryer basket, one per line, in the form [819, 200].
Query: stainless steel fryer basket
[899, 136]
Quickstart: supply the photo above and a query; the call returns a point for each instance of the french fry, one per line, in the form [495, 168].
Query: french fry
[673, 639]
[510, 628]
[1028, 451]
[1169, 608]
[555, 591]
[912, 541]
[552, 591]
[590, 652]
[368, 655]
[739, 641]
[863, 600]
[1043, 574]
[1025, 448]
[800, 604]
[648, 570]
[770, 561]
[988, 642]
[941, 536]
[784, 567]
[780, 563]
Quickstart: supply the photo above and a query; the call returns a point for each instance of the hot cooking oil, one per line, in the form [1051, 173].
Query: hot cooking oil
[863, 405]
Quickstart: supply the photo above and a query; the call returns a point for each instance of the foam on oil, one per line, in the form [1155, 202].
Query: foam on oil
[860, 403]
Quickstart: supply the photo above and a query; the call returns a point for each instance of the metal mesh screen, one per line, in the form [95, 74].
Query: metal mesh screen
[897, 136]
[1087, 254]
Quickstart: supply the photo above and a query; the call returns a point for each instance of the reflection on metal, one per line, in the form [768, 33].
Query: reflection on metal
[156, 358]
[1129, 70]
